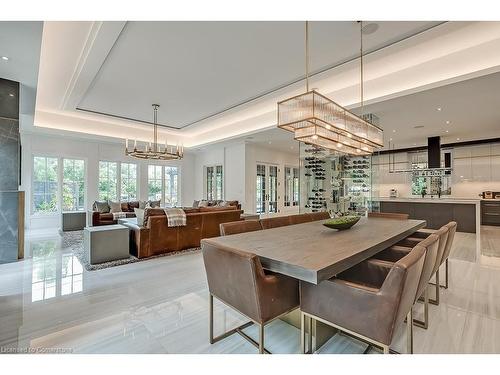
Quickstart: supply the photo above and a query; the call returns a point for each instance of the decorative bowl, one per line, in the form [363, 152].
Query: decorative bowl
[341, 223]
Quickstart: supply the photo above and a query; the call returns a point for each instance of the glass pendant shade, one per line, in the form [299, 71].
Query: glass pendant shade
[316, 119]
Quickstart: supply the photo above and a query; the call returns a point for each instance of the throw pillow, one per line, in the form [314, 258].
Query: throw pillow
[101, 207]
[222, 204]
[196, 203]
[139, 214]
[203, 203]
[115, 207]
[142, 204]
[154, 204]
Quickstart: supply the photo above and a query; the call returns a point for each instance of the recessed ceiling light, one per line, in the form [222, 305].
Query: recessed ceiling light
[390, 139]
[447, 122]
[5, 58]
[314, 137]
[458, 139]
[370, 28]
[447, 131]
[11, 95]
[439, 108]
[394, 130]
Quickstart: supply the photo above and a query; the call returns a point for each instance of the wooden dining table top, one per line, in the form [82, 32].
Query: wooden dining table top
[312, 252]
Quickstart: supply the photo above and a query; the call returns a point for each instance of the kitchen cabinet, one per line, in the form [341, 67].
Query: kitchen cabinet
[495, 168]
[462, 170]
[490, 212]
[481, 168]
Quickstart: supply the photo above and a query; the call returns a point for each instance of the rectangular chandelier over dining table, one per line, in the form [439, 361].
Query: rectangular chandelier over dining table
[315, 119]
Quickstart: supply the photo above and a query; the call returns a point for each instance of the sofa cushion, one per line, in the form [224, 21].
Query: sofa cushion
[124, 206]
[106, 217]
[132, 205]
[152, 212]
[101, 207]
[154, 204]
[115, 206]
[215, 208]
[203, 203]
[196, 204]
[142, 204]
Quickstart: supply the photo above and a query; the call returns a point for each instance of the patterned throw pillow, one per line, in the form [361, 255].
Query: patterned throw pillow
[115, 207]
[203, 203]
[142, 204]
[101, 207]
[154, 204]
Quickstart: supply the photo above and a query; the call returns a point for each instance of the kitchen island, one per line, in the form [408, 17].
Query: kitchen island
[437, 211]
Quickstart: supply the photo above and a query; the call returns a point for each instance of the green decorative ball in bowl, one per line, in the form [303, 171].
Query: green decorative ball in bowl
[341, 223]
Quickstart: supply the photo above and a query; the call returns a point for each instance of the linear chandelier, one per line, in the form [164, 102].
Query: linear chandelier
[318, 120]
[154, 150]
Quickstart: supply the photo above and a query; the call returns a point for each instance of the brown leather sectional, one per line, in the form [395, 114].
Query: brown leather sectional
[107, 218]
[155, 237]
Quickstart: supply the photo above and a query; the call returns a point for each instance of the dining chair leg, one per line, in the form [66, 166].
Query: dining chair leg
[409, 332]
[312, 335]
[425, 323]
[211, 318]
[385, 349]
[302, 333]
[446, 276]
[436, 285]
[261, 339]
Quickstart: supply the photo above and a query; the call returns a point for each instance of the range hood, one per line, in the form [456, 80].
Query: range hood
[433, 161]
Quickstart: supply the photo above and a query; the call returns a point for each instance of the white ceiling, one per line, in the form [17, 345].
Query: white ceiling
[77, 67]
[197, 69]
[472, 108]
[21, 42]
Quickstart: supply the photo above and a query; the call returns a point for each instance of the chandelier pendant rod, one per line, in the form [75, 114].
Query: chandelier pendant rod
[307, 55]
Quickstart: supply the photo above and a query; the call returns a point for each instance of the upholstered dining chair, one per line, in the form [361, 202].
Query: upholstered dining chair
[389, 215]
[434, 244]
[446, 250]
[238, 280]
[275, 222]
[241, 226]
[300, 218]
[322, 215]
[367, 301]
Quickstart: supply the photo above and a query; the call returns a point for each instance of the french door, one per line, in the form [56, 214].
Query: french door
[266, 189]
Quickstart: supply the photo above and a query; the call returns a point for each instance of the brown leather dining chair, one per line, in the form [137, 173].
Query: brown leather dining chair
[367, 301]
[238, 280]
[275, 222]
[299, 219]
[241, 226]
[389, 215]
[433, 254]
[322, 215]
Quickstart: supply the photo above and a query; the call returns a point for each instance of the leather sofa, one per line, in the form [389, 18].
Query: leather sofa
[99, 218]
[154, 236]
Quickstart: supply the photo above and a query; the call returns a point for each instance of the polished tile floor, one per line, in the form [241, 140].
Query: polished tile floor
[160, 306]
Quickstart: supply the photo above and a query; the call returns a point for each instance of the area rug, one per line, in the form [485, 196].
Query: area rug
[73, 241]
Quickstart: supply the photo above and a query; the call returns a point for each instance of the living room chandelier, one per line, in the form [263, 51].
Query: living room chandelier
[154, 150]
[317, 120]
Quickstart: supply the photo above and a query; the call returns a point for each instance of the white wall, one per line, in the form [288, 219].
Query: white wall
[92, 152]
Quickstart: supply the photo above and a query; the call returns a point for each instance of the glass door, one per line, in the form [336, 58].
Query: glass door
[266, 189]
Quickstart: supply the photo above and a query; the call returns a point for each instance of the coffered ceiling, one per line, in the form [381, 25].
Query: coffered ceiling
[217, 81]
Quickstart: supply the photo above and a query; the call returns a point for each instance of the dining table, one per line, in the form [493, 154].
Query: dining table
[311, 252]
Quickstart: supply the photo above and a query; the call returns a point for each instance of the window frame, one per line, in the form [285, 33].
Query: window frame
[118, 182]
[163, 179]
[121, 179]
[84, 180]
[58, 183]
[211, 186]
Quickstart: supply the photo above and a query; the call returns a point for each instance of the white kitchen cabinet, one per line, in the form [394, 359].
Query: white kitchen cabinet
[462, 170]
[495, 168]
[480, 150]
[481, 168]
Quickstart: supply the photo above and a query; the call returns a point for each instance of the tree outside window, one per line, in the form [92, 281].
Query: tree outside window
[128, 182]
[108, 180]
[45, 181]
[73, 188]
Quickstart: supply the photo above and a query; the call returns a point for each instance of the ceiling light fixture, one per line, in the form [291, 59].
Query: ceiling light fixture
[448, 122]
[154, 151]
[11, 95]
[317, 120]
[5, 58]
[439, 108]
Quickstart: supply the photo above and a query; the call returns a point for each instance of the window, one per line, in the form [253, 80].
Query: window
[155, 189]
[45, 181]
[163, 184]
[73, 188]
[171, 184]
[108, 180]
[128, 191]
[291, 186]
[214, 182]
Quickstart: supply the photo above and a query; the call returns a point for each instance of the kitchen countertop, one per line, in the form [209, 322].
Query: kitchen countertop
[430, 200]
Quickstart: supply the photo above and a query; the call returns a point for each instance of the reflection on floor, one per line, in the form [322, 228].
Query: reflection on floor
[160, 306]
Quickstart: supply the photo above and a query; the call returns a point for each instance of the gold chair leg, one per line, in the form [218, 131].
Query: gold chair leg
[261, 339]
[409, 332]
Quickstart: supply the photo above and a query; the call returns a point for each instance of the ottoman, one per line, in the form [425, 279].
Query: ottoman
[106, 243]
